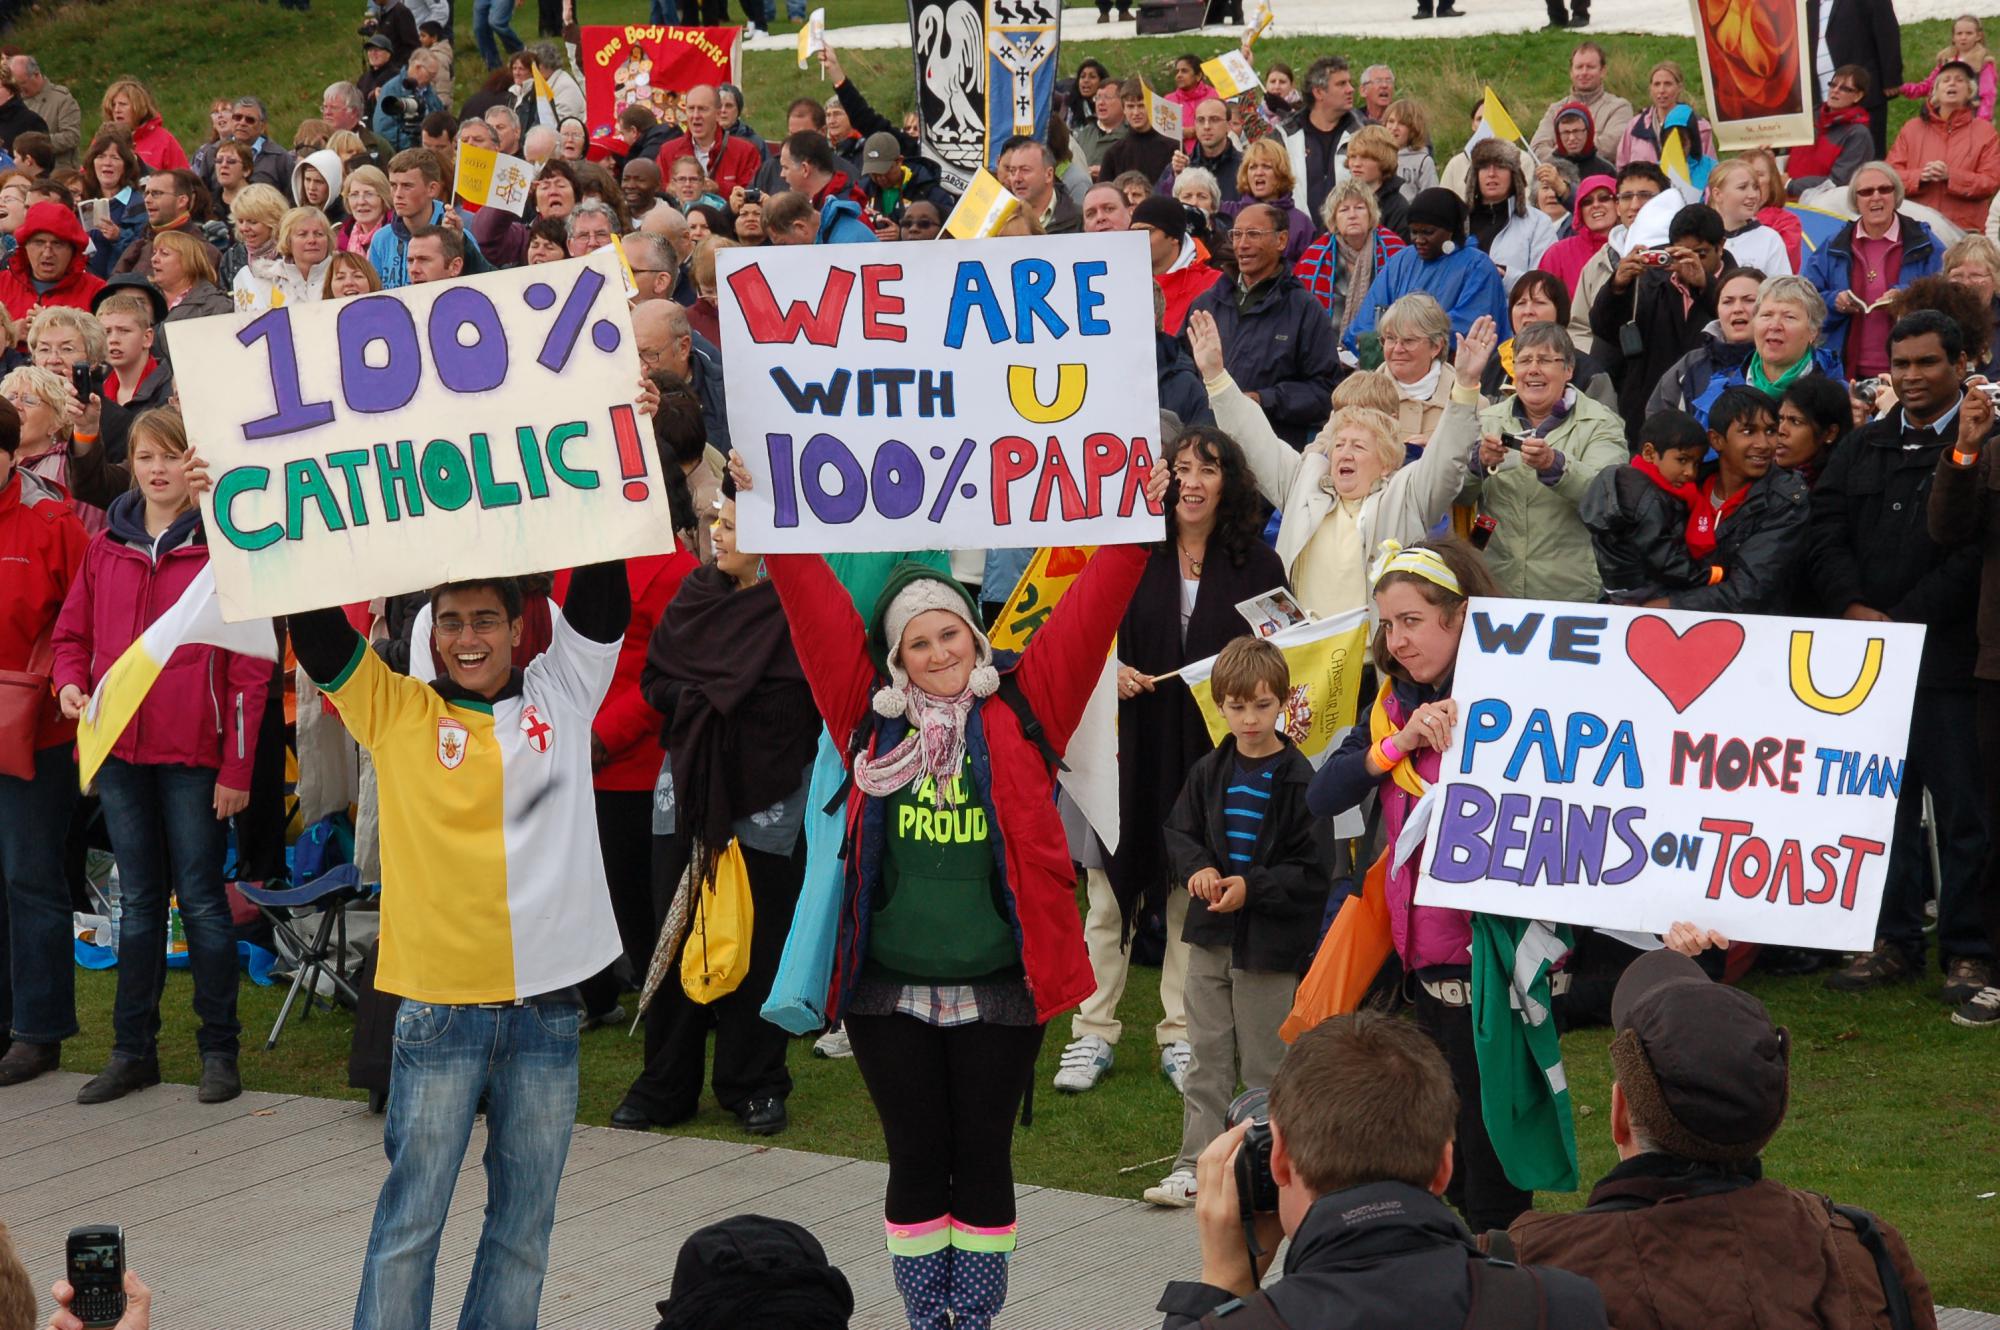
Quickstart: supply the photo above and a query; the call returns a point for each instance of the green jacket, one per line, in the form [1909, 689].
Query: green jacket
[1540, 548]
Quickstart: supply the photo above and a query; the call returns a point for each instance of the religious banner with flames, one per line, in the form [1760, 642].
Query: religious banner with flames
[1753, 71]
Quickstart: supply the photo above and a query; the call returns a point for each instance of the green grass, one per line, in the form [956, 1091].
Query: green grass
[187, 53]
[1893, 1107]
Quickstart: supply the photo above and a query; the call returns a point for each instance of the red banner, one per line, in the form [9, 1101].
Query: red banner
[651, 66]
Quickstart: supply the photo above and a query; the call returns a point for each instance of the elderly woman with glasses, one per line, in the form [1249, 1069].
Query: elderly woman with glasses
[1341, 265]
[1539, 448]
[1870, 257]
[1416, 334]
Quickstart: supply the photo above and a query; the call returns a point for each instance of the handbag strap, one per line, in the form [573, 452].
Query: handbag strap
[42, 655]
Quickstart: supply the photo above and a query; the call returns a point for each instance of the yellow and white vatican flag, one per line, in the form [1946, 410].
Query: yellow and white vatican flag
[812, 38]
[545, 101]
[193, 620]
[1231, 74]
[983, 209]
[1325, 656]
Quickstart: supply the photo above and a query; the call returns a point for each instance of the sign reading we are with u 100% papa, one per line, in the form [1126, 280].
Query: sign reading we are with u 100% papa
[953, 394]
[388, 442]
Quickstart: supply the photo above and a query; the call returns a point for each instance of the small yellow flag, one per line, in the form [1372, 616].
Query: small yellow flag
[1047, 576]
[1259, 21]
[1325, 657]
[812, 37]
[1674, 161]
[1499, 121]
[983, 209]
[1231, 73]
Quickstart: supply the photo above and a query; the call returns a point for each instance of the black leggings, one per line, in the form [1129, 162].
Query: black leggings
[1987, 723]
[947, 1099]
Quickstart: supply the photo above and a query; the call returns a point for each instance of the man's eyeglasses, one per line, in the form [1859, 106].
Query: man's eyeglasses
[1638, 195]
[452, 626]
[1254, 233]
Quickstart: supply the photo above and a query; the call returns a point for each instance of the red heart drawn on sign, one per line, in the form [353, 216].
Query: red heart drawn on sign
[1682, 665]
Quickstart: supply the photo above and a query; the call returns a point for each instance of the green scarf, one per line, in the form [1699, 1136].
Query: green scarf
[1776, 387]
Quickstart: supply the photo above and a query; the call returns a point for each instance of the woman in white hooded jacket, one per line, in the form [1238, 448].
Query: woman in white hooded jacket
[1348, 492]
[321, 188]
[297, 272]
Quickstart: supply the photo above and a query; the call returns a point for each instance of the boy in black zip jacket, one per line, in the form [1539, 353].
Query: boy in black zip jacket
[1258, 867]
[1638, 513]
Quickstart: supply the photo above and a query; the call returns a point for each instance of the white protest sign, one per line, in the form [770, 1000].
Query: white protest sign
[1629, 768]
[948, 394]
[385, 443]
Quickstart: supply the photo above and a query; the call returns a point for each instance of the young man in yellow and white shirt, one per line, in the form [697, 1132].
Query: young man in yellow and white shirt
[494, 907]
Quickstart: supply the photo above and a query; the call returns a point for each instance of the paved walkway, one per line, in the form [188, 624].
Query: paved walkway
[254, 1214]
[1361, 18]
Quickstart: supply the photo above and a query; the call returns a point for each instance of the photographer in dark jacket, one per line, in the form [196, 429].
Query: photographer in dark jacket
[1357, 1183]
[1650, 313]
[1872, 558]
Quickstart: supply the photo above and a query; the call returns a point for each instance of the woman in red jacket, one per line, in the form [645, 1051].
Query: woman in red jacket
[41, 544]
[959, 934]
[129, 105]
[179, 772]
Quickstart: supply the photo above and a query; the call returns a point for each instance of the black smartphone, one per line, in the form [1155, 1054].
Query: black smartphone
[97, 1273]
[86, 379]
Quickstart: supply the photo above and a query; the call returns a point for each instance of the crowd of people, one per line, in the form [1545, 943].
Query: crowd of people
[1388, 383]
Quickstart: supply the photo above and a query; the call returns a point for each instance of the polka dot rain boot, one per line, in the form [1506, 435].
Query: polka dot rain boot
[921, 1257]
[979, 1274]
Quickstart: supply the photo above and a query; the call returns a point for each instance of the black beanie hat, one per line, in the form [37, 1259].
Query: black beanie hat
[1165, 215]
[1439, 207]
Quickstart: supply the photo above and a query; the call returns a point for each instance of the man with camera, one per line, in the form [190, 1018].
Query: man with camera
[1687, 1230]
[405, 100]
[1350, 1163]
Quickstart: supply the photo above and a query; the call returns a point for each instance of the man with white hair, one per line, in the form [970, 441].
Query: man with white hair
[343, 107]
[538, 145]
[406, 99]
[53, 103]
[590, 227]
[507, 127]
[655, 268]
[1378, 89]
[668, 342]
[247, 123]
[671, 226]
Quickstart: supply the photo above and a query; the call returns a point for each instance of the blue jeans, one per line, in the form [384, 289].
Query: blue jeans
[489, 20]
[523, 1059]
[169, 843]
[37, 972]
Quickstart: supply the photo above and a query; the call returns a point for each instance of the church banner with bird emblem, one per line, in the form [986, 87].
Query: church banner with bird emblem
[948, 41]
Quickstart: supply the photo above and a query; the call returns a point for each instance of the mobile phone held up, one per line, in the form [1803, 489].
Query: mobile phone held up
[97, 1273]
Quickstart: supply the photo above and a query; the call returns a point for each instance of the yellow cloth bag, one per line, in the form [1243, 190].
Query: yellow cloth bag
[717, 956]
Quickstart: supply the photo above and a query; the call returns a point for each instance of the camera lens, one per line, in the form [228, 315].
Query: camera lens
[1253, 1105]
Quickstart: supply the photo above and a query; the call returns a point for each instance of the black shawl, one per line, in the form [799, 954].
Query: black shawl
[740, 723]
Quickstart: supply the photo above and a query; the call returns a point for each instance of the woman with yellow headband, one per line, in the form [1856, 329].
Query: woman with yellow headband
[1420, 598]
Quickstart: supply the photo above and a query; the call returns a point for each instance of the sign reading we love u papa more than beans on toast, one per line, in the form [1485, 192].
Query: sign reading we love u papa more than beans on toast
[1629, 768]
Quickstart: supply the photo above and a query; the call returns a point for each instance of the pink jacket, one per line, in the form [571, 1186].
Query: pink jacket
[1970, 151]
[1424, 935]
[205, 708]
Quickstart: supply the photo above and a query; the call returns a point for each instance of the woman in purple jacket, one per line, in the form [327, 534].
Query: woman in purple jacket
[179, 772]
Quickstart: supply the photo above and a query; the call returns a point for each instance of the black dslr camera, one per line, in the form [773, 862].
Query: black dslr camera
[1256, 1189]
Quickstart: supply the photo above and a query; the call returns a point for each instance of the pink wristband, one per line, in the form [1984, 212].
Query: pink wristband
[1390, 753]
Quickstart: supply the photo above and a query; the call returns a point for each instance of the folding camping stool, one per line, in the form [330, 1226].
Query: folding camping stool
[325, 951]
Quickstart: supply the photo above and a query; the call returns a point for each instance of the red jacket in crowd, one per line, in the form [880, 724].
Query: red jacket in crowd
[1970, 151]
[1056, 675]
[736, 167]
[158, 148]
[204, 709]
[41, 546]
[626, 723]
[74, 288]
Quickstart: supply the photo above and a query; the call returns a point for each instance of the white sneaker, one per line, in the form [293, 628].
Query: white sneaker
[1175, 1191]
[833, 1044]
[1174, 1060]
[1084, 1062]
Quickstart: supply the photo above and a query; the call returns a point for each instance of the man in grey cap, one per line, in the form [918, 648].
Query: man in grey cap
[1687, 1230]
[892, 183]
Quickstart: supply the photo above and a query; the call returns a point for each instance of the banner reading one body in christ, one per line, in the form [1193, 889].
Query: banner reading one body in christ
[388, 442]
[942, 394]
